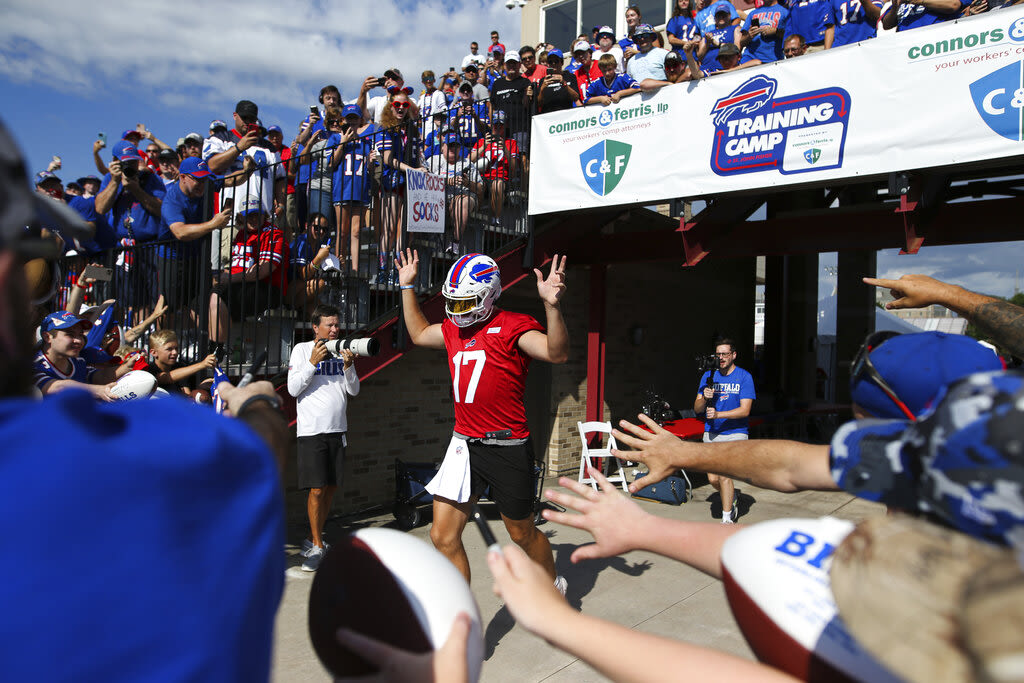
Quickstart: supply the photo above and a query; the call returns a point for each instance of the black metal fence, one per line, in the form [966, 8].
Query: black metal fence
[343, 256]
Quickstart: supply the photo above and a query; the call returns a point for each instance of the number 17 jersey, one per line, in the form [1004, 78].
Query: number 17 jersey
[489, 374]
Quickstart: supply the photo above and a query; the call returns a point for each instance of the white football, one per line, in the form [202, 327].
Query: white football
[393, 587]
[134, 385]
[776, 579]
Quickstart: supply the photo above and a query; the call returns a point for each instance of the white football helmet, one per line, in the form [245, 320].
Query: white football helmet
[472, 286]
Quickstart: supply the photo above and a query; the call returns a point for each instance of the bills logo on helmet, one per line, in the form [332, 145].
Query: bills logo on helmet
[758, 131]
[999, 99]
[483, 272]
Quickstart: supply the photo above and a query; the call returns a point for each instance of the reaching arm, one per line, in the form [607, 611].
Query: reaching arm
[536, 605]
[100, 166]
[1001, 320]
[186, 232]
[178, 374]
[222, 161]
[420, 331]
[775, 464]
[136, 332]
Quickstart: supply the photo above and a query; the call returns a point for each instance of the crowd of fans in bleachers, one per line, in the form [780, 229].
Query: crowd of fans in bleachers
[279, 215]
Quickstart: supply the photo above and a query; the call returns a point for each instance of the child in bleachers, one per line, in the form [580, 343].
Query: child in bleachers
[610, 87]
[163, 350]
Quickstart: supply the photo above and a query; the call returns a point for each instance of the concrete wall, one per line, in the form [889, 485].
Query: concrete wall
[405, 410]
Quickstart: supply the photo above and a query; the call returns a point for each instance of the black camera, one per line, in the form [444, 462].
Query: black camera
[706, 363]
[129, 171]
[655, 407]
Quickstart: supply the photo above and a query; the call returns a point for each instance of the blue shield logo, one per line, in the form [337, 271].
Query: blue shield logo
[604, 164]
[999, 98]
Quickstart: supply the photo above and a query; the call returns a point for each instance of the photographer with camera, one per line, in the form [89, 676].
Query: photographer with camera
[724, 396]
[321, 383]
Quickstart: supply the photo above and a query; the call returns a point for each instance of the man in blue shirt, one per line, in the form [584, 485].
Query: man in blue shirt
[181, 266]
[131, 196]
[854, 21]
[811, 19]
[907, 14]
[763, 32]
[705, 18]
[725, 400]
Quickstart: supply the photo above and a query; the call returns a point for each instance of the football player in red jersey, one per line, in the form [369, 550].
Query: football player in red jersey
[489, 353]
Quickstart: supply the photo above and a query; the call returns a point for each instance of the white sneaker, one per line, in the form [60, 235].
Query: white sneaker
[727, 520]
[313, 559]
[561, 584]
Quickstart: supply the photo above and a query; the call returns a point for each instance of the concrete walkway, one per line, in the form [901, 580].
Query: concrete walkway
[644, 591]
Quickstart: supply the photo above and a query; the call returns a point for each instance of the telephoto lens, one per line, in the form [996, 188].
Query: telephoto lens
[367, 346]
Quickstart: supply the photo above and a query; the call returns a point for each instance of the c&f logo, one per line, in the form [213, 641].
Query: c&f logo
[604, 164]
[812, 155]
[999, 98]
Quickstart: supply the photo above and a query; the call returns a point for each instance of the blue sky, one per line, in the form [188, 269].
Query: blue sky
[71, 70]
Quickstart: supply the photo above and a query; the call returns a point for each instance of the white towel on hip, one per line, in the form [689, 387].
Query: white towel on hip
[452, 480]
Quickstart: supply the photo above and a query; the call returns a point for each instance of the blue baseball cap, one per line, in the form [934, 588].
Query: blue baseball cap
[217, 123]
[43, 176]
[555, 52]
[130, 131]
[62, 320]
[643, 29]
[125, 151]
[916, 367]
[451, 138]
[351, 110]
[195, 167]
[498, 116]
[961, 464]
[275, 129]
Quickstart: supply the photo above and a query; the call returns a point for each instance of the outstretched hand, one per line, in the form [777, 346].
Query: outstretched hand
[552, 288]
[394, 664]
[912, 291]
[408, 265]
[527, 589]
[655, 447]
[610, 517]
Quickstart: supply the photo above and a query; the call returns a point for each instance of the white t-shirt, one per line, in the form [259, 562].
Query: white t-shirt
[375, 107]
[261, 182]
[430, 104]
[322, 392]
[439, 165]
[614, 51]
[473, 59]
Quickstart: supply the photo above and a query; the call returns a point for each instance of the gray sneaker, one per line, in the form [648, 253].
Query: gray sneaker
[307, 545]
[313, 559]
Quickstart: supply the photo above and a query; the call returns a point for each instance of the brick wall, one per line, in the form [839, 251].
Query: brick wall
[405, 410]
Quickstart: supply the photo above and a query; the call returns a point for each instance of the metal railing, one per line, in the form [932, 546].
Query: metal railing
[272, 312]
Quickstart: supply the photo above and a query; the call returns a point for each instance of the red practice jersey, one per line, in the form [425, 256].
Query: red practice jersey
[250, 248]
[489, 374]
[498, 154]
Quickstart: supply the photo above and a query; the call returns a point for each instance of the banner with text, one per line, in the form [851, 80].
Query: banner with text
[424, 201]
[945, 94]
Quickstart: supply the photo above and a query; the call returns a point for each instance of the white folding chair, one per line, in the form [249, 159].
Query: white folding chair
[605, 428]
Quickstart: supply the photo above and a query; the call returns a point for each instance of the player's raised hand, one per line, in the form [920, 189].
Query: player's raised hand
[408, 265]
[552, 288]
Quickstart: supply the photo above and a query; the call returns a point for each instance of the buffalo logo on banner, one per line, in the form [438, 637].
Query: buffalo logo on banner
[757, 130]
[999, 98]
[604, 164]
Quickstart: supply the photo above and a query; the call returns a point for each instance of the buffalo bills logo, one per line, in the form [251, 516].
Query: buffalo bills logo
[747, 98]
[482, 272]
[757, 130]
[471, 343]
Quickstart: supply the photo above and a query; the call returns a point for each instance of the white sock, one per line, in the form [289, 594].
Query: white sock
[727, 514]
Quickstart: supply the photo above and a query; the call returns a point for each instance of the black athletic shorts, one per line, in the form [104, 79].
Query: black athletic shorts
[321, 460]
[508, 470]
